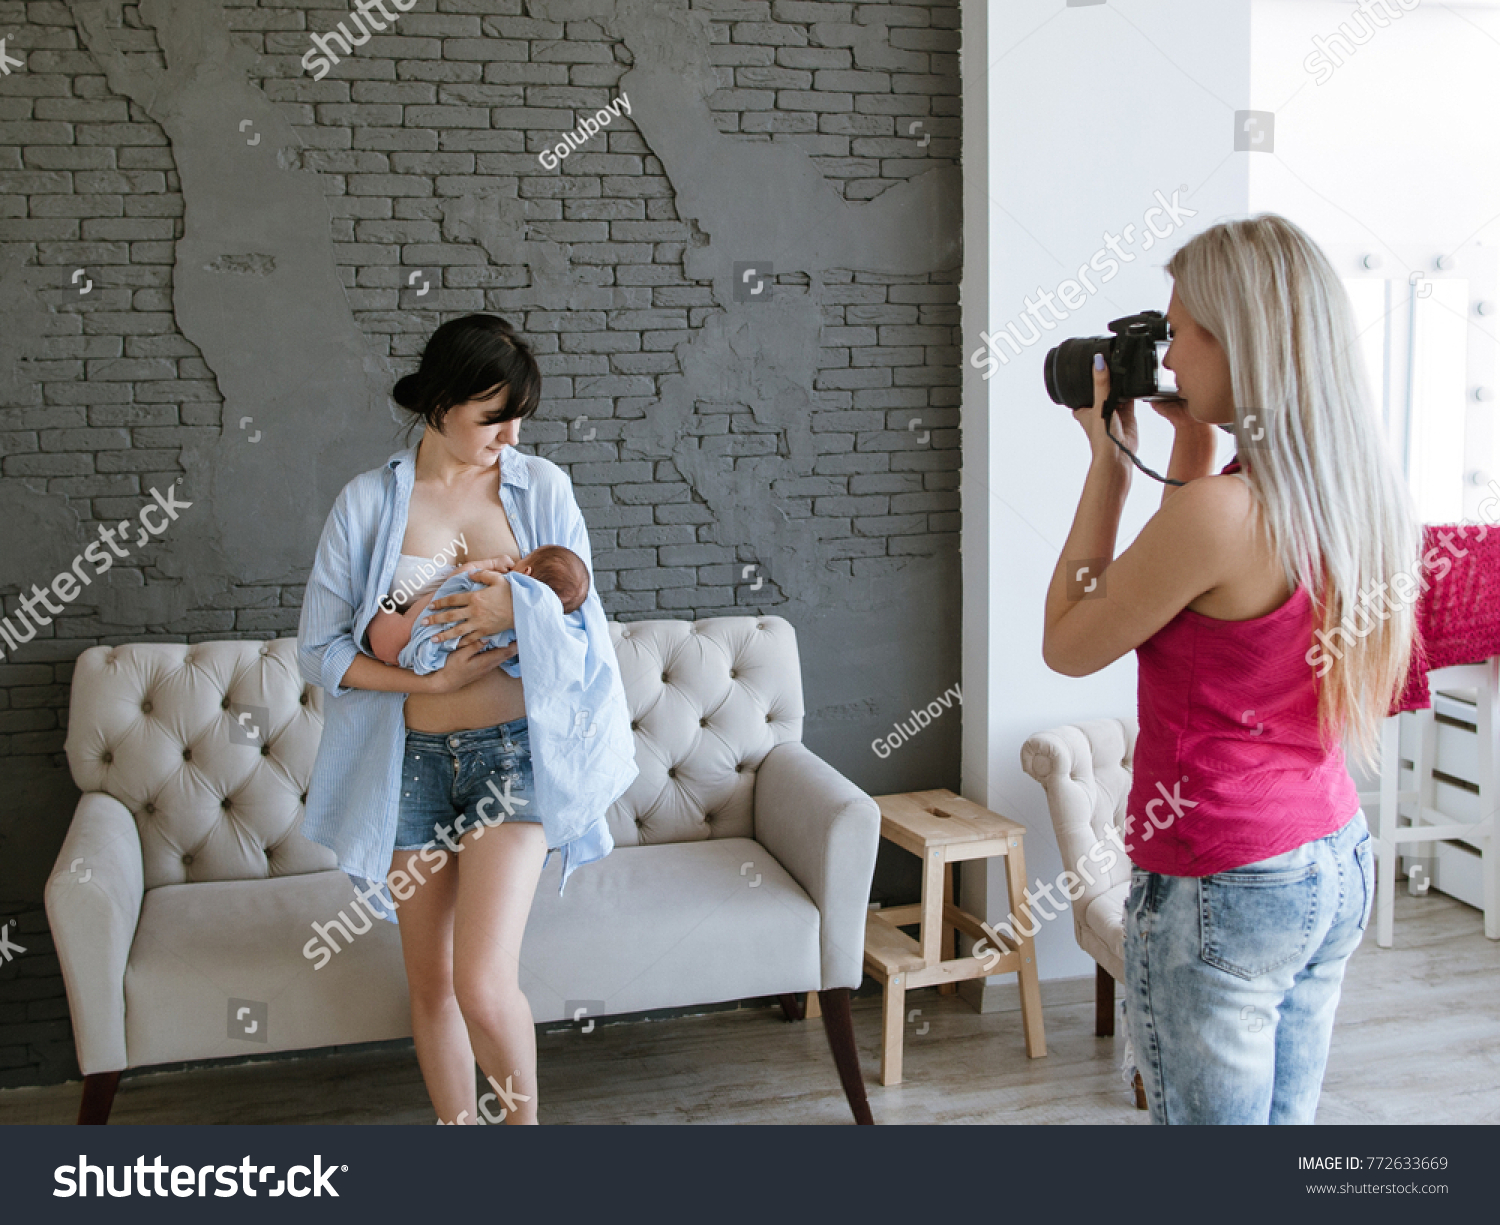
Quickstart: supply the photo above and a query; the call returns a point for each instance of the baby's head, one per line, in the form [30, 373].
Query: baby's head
[560, 569]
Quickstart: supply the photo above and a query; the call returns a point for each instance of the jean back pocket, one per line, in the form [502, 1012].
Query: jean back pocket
[1253, 922]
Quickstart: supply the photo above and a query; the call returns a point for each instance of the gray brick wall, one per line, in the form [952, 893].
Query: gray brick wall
[100, 393]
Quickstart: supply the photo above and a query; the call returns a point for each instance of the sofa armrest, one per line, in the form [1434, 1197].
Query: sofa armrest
[824, 831]
[93, 913]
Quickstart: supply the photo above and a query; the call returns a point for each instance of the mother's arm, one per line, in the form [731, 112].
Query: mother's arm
[327, 653]
[481, 613]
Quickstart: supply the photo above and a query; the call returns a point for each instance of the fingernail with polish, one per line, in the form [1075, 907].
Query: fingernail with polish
[1098, 361]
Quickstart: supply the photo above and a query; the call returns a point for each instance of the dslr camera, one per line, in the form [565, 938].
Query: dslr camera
[1132, 355]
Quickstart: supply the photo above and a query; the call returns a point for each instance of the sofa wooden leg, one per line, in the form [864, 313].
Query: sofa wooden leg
[791, 1006]
[1140, 1093]
[1104, 1003]
[838, 1022]
[98, 1097]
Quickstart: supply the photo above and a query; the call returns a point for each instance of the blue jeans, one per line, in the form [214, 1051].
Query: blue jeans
[1232, 979]
[455, 782]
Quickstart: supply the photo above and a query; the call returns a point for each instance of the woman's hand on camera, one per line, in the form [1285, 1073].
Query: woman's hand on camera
[1122, 423]
[1174, 411]
[476, 614]
[466, 665]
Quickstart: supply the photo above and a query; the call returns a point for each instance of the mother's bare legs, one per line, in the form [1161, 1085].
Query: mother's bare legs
[437, 1025]
[498, 875]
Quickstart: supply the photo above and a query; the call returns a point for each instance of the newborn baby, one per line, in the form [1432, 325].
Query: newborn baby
[392, 630]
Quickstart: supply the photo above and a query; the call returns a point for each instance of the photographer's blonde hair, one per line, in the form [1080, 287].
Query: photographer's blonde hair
[1330, 499]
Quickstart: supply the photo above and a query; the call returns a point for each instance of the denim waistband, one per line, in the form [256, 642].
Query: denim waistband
[469, 738]
[1352, 830]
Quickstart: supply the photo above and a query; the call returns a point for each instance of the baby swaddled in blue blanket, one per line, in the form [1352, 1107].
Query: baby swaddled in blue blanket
[404, 639]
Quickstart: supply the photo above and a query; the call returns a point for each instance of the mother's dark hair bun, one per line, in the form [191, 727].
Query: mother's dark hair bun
[469, 359]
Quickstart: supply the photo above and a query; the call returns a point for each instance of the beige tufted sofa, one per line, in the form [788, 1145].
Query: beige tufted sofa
[183, 899]
[1085, 769]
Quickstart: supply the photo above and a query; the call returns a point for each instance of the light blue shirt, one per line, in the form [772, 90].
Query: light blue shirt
[583, 752]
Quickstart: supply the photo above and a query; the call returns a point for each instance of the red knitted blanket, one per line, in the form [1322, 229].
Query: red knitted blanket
[1458, 616]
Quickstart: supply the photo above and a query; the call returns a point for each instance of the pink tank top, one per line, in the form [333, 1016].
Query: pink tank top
[1228, 768]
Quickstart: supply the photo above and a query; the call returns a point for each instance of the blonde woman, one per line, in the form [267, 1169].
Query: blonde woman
[1252, 871]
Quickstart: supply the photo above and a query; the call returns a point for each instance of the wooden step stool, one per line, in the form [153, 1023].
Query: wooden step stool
[942, 829]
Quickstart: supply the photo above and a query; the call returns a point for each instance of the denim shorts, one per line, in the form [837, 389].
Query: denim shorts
[457, 781]
[1232, 980]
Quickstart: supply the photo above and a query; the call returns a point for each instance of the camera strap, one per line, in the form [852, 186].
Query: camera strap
[1110, 408]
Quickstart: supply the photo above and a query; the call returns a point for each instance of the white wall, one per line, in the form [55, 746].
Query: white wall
[1402, 143]
[1397, 153]
[1073, 118]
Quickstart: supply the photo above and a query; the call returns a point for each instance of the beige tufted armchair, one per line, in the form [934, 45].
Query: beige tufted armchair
[1085, 770]
[185, 900]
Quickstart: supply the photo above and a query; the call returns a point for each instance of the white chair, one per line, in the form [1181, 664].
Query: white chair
[1484, 680]
[1085, 770]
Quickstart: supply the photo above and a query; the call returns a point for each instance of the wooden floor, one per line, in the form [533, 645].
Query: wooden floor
[1418, 1041]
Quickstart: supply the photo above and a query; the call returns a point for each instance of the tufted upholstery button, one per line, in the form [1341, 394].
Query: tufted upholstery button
[304, 797]
[739, 767]
[265, 749]
[302, 700]
[672, 773]
[187, 754]
[108, 757]
[768, 716]
[634, 726]
[146, 707]
[702, 722]
[187, 859]
[663, 678]
[224, 803]
[150, 810]
[224, 705]
[733, 673]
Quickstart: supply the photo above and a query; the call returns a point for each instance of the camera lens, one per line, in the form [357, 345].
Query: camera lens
[1069, 370]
